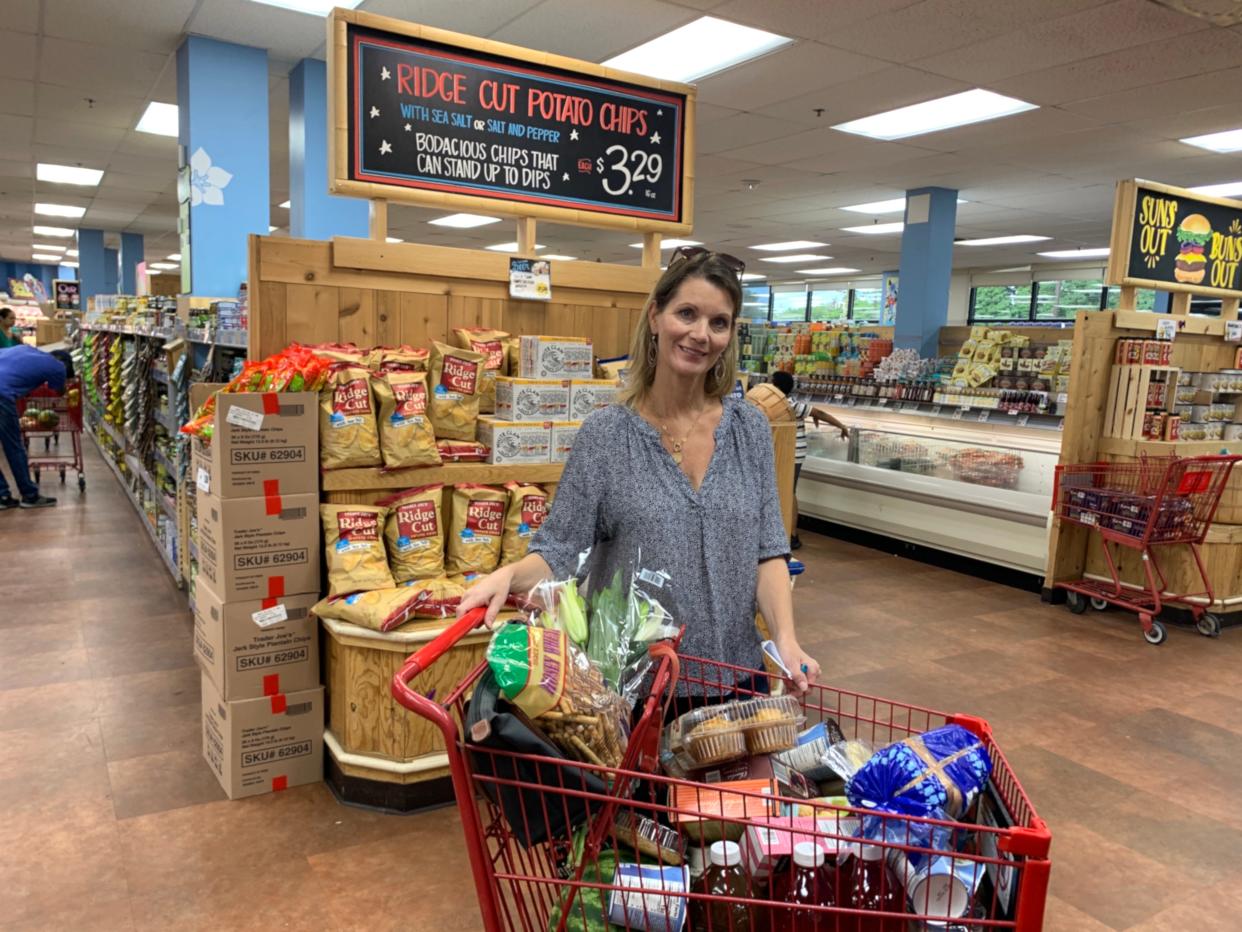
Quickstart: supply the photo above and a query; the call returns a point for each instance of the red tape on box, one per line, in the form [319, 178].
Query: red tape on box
[279, 704]
[268, 603]
[271, 684]
[275, 588]
[271, 403]
[280, 783]
[271, 494]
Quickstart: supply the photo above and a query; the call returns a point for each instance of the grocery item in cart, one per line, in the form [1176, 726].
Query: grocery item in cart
[704, 736]
[414, 533]
[379, 609]
[807, 755]
[726, 880]
[649, 837]
[710, 812]
[646, 898]
[476, 528]
[940, 770]
[405, 433]
[348, 433]
[770, 724]
[353, 538]
[456, 380]
[528, 506]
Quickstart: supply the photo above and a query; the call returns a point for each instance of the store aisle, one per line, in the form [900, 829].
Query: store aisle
[114, 822]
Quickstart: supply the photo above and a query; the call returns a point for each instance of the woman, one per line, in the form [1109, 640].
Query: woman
[8, 327]
[678, 477]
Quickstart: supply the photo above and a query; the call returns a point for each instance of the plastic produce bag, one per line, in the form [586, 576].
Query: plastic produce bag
[625, 620]
[943, 769]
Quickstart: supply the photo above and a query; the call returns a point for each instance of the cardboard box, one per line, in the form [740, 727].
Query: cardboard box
[261, 442]
[556, 358]
[563, 434]
[649, 897]
[511, 442]
[259, 548]
[260, 745]
[248, 661]
[532, 399]
[587, 395]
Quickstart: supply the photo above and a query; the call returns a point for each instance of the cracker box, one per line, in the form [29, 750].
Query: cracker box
[510, 442]
[563, 435]
[555, 358]
[587, 395]
[259, 548]
[532, 399]
[256, 648]
[645, 898]
[259, 745]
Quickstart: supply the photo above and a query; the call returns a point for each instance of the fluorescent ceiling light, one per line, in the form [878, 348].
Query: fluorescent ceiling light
[792, 244]
[1002, 240]
[59, 210]
[159, 119]
[68, 174]
[175, 257]
[285, 204]
[71, 252]
[509, 247]
[162, 266]
[393, 239]
[53, 231]
[1228, 189]
[671, 243]
[1077, 253]
[753, 277]
[931, 116]
[798, 257]
[552, 255]
[697, 49]
[313, 7]
[877, 229]
[70, 265]
[463, 221]
[831, 270]
[1228, 141]
[45, 257]
[47, 247]
[894, 206]
[272, 229]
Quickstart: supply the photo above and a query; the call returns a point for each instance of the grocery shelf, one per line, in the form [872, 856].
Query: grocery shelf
[1118, 447]
[939, 409]
[166, 463]
[163, 333]
[160, 376]
[168, 422]
[346, 480]
[142, 515]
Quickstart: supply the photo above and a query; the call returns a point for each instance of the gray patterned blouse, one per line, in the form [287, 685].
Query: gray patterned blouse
[622, 495]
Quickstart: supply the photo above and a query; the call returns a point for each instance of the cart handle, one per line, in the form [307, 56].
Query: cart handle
[429, 654]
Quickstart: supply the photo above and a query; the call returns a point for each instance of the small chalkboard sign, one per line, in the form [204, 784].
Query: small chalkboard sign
[1172, 239]
[431, 116]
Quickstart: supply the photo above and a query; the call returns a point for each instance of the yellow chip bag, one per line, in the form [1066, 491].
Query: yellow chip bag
[475, 529]
[348, 435]
[405, 433]
[353, 547]
[390, 358]
[528, 506]
[456, 378]
[491, 343]
[436, 598]
[414, 533]
[379, 609]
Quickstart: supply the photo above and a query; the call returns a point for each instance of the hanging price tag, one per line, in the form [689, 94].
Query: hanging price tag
[882, 402]
[1166, 329]
[267, 617]
[935, 410]
[243, 417]
[1233, 331]
[957, 414]
[837, 397]
[984, 415]
[203, 480]
[1023, 420]
[1061, 424]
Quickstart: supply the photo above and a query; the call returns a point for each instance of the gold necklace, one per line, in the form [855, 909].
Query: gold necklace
[679, 445]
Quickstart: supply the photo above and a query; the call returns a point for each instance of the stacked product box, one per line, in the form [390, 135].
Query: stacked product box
[254, 639]
[534, 415]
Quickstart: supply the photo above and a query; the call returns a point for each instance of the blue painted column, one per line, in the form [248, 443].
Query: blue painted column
[313, 212]
[926, 267]
[131, 256]
[1163, 303]
[224, 190]
[91, 261]
[111, 271]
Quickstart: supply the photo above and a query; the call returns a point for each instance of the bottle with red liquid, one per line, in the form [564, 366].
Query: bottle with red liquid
[725, 878]
[811, 886]
[874, 886]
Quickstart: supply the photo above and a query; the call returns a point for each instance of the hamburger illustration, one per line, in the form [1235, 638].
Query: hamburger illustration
[1193, 234]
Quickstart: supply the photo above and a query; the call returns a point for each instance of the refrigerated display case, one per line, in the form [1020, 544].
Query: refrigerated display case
[972, 485]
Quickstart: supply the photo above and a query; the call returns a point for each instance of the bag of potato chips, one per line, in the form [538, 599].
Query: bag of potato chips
[491, 343]
[379, 609]
[475, 529]
[456, 378]
[462, 451]
[528, 506]
[348, 435]
[414, 533]
[436, 598]
[353, 546]
[391, 358]
[405, 433]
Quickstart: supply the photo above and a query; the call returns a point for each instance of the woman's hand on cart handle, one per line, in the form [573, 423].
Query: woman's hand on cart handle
[491, 591]
[803, 666]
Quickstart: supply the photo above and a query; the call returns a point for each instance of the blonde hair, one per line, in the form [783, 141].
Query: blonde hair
[708, 267]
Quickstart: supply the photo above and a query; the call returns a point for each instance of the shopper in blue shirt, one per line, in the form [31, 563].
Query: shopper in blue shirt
[22, 370]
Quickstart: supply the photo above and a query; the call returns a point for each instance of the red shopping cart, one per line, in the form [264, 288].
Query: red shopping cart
[545, 834]
[48, 416]
[1157, 501]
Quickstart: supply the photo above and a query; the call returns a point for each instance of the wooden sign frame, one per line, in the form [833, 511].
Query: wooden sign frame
[339, 181]
[1125, 213]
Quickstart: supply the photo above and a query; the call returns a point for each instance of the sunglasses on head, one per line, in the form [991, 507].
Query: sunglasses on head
[682, 253]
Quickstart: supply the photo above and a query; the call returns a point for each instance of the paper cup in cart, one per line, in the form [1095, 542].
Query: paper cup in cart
[940, 890]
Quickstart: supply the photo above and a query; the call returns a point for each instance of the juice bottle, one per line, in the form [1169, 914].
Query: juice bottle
[811, 886]
[874, 886]
[724, 878]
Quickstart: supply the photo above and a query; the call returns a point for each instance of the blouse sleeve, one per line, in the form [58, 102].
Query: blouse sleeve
[773, 541]
[571, 526]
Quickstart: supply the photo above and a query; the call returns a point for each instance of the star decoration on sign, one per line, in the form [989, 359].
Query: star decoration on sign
[374, 112]
[573, 135]
[565, 176]
[385, 147]
[408, 127]
[655, 139]
[385, 74]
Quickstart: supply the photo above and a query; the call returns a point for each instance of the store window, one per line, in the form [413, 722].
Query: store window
[1000, 302]
[756, 302]
[1145, 300]
[1062, 300]
[830, 305]
[867, 304]
[789, 303]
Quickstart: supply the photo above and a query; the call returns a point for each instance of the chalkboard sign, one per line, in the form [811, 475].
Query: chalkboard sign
[431, 120]
[1172, 239]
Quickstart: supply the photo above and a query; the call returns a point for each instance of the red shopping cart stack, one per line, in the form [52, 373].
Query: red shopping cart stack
[45, 415]
[562, 844]
[1141, 506]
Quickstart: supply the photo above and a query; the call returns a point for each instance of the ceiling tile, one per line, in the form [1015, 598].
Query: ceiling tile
[814, 19]
[19, 16]
[18, 60]
[1154, 104]
[286, 34]
[743, 129]
[99, 70]
[895, 86]
[802, 67]
[151, 25]
[16, 97]
[476, 18]
[558, 26]
[1043, 124]
[72, 105]
[117, 181]
[66, 133]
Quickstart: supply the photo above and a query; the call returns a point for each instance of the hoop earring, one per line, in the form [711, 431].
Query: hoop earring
[651, 351]
[718, 370]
